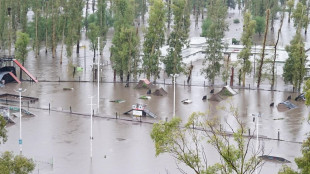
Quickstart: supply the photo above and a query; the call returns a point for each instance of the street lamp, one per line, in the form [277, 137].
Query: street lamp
[255, 119]
[20, 141]
[91, 127]
[98, 67]
[174, 76]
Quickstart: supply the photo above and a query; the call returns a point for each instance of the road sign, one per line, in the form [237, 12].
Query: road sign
[137, 113]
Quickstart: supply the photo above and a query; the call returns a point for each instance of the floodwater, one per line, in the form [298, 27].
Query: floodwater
[125, 146]
[60, 142]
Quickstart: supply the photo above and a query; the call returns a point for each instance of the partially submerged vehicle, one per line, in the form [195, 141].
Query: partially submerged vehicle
[300, 97]
[274, 159]
[285, 106]
[186, 101]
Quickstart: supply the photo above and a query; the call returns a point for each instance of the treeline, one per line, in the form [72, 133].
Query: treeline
[61, 22]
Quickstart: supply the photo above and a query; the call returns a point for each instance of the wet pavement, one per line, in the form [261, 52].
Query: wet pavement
[60, 141]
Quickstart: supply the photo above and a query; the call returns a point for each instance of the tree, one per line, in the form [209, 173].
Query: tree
[231, 4]
[154, 38]
[125, 42]
[215, 31]
[274, 8]
[275, 49]
[35, 29]
[287, 170]
[74, 17]
[261, 62]
[246, 39]
[102, 22]
[8, 162]
[302, 162]
[300, 17]
[307, 92]
[186, 144]
[178, 37]
[290, 5]
[170, 138]
[260, 25]
[55, 17]
[92, 34]
[15, 164]
[3, 131]
[21, 51]
[294, 68]
[234, 152]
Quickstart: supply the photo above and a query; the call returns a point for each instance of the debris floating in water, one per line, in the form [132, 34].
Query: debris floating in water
[68, 88]
[118, 101]
[145, 97]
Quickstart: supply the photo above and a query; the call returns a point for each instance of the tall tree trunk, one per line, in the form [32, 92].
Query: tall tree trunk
[289, 16]
[263, 52]
[243, 75]
[272, 24]
[93, 6]
[275, 51]
[53, 33]
[37, 40]
[9, 35]
[300, 74]
[143, 10]
[78, 40]
[62, 43]
[121, 76]
[169, 14]
[46, 24]
[307, 21]
[86, 16]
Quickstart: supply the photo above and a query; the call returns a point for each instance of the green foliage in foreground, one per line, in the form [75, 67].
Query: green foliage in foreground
[10, 164]
[186, 144]
[303, 162]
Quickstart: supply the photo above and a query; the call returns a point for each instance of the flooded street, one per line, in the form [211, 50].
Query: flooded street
[124, 145]
[59, 141]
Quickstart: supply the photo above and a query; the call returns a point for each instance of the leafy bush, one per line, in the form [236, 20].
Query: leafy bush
[234, 41]
[236, 21]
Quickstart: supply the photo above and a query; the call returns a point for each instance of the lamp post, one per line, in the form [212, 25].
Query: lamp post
[20, 141]
[98, 67]
[174, 76]
[255, 119]
[91, 127]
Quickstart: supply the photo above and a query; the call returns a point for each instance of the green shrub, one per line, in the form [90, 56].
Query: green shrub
[235, 41]
[236, 21]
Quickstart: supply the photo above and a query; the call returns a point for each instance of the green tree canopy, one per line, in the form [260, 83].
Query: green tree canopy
[246, 39]
[260, 24]
[10, 164]
[214, 31]
[154, 39]
[294, 68]
[21, 51]
[93, 34]
[178, 38]
[186, 144]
